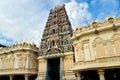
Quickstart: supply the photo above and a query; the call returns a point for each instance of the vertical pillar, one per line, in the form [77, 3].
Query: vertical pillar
[101, 74]
[78, 76]
[60, 68]
[26, 76]
[11, 77]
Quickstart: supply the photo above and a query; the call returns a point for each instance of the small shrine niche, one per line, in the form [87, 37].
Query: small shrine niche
[110, 20]
[94, 24]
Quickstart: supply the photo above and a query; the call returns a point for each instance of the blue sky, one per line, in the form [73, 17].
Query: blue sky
[24, 20]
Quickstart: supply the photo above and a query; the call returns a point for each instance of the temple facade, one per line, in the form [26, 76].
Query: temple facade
[90, 52]
[56, 50]
[97, 50]
[18, 62]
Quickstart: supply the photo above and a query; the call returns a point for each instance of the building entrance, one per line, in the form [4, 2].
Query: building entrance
[18, 77]
[4, 78]
[53, 69]
[90, 75]
[32, 77]
[112, 74]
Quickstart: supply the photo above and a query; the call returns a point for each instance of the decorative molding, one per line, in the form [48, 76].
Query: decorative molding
[80, 31]
[18, 47]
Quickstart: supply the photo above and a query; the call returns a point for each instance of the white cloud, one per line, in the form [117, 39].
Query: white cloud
[5, 41]
[10, 28]
[25, 20]
[78, 13]
[21, 21]
[107, 8]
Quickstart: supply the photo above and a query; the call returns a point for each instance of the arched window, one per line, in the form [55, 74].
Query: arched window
[110, 49]
[79, 52]
[100, 49]
[86, 50]
[116, 39]
[53, 31]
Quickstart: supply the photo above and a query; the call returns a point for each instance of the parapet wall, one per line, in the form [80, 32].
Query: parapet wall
[109, 21]
[16, 47]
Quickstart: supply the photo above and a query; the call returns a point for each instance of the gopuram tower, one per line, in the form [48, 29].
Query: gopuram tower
[56, 51]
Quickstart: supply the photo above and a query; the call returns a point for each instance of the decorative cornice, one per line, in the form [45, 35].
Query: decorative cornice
[19, 47]
[109, 23]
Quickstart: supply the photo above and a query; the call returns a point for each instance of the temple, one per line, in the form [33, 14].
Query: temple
[18, 62]
[56, 50]
[90, 52]
[97, 50]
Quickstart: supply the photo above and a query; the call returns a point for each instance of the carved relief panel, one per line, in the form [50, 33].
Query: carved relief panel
[2, 61]
[86, 48]
[11, 61]
[22, 61]
[5, 61]
[42, 65]
[34, 63]
[68, 62]
[110, 48]
[79, 52]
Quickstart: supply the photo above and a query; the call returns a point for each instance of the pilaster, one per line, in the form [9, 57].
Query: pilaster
[78, 75]
[26, 76]
[11, 77]
[101, 74]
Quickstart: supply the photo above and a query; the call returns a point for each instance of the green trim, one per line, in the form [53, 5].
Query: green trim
[111, 22]
[94, 26]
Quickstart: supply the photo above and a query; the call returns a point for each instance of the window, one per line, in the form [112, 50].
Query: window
[117, 43]
[55, 16]
[53, 43]
[53, 31]
[54, 22]
[100, 49]
[87, 51]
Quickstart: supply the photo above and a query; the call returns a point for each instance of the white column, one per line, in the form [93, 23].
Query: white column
[101, 74]
[26, 76]
[78, 76]
[11, 77]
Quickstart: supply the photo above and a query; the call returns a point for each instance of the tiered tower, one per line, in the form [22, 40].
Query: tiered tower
[56, 51]
[57, 33]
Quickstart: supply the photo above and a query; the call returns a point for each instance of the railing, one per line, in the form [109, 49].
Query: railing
[18, 71]
[98, 62]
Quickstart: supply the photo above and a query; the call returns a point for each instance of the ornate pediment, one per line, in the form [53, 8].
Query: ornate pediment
[53, 50]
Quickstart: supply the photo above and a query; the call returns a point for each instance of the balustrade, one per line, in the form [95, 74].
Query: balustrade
[98, 61]
[22, 70]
